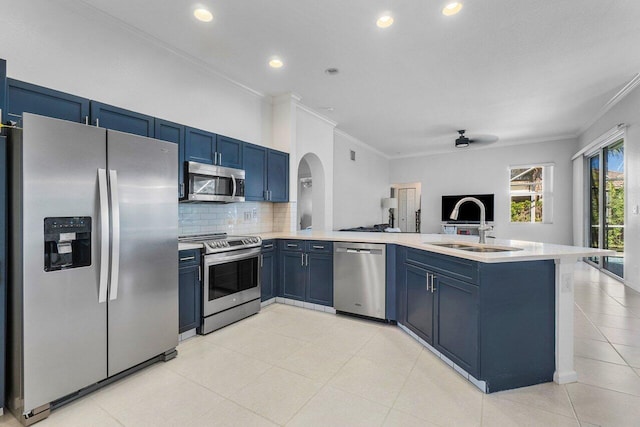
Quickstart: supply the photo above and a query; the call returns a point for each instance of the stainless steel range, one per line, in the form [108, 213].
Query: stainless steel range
[231, 286]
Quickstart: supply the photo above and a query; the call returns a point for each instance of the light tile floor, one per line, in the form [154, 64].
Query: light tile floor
[297, 367]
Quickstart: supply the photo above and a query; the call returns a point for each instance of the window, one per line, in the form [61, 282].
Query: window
[530, 193]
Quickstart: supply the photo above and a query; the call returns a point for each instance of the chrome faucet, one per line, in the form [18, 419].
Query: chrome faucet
[482, 230]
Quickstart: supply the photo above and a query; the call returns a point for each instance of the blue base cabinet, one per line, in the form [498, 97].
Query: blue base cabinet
[495, 321]
[29, 98]
[268, 270]
[189, 290]
[306, 271]
[3, 263]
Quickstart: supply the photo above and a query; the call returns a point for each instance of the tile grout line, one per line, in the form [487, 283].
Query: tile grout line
[573, 409]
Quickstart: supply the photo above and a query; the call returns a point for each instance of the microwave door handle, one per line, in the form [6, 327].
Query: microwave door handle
[104, 235]
[115, 239]
[233, 182]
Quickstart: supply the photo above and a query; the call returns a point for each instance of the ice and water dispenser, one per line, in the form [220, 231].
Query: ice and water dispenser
[67, 242]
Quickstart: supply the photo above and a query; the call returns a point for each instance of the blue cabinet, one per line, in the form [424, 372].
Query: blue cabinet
[3, 90]
[268, 271]
[278, 176]
[494, 320]
[229, 152]
[173, 132]
[456, 331]
[110, 117]
[419, 302]
[29, 98]
[189, 290]
[306, 271]
[255, 166]
[207, 147]
[267, 174]
[200, 146]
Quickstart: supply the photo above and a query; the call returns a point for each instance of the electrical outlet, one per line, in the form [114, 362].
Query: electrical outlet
[247, 216]
[635, 210]
[255, 213]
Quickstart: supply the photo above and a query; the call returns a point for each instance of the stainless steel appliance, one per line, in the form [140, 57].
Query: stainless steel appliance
[359, 279]
[231, 287]
[94, 268]
[208, 183]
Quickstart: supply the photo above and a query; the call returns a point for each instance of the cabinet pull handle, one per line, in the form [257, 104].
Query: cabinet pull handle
[428, 282]
[199, 275]
[187, 258]
[269, 246]
[182, 190]
[86, 120]
[318, 247]
[97, 122]
[292, 245]
[433, 279]
[220, 158]
[307, 257]
[302, 260]
[261, 260]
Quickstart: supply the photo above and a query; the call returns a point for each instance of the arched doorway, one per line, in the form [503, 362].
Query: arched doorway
[311, 193]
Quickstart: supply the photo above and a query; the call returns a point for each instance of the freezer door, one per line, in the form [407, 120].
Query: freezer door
[64, 341]
[143, 294]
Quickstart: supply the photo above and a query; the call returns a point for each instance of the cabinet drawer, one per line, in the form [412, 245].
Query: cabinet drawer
[319, 246]
[189, 257]
[292, 245]
[268, 245]
[457, 268]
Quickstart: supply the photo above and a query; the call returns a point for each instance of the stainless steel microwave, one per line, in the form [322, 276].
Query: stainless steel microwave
[208, 183]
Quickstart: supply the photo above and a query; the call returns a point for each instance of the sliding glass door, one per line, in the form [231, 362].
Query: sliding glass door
[606, 206]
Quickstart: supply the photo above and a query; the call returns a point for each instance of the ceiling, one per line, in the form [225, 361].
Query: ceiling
[523, 70]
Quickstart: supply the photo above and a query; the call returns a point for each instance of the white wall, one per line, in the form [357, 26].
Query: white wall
[486, 170]
[358, 186]
[69, 47]
[626, 111]
[314, 135]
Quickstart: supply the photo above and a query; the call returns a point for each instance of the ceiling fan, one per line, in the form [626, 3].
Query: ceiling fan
[462, 141]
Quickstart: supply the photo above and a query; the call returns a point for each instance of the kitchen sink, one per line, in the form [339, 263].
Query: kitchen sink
[474, 247]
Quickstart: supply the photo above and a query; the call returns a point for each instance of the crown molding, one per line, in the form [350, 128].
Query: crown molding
[316, 114]
[169, 48]
[360, 143]
[619, 96]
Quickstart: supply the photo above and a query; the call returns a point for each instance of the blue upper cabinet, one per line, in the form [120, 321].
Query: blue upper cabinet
[255, 165]
[229, 152]
[3, 89]
[24, 97]
[200, 146]
[173, 132]
[278, 176]
[110, 117]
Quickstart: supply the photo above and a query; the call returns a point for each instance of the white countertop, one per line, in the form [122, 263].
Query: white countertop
[530, 251]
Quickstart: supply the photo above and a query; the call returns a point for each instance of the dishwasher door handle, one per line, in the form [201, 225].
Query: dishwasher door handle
[360, 251]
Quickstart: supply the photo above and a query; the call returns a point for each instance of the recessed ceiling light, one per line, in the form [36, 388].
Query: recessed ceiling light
[332, 71]
[385, 21]
[452, 8]
[276, 63]
[203, 15]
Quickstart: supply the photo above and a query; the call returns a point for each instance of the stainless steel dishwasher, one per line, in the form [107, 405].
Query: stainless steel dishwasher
[359, 278]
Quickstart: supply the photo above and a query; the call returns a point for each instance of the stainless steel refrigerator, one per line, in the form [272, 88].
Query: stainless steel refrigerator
[93, 268]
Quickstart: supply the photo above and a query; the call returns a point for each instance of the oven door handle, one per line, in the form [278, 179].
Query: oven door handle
[215, 260]
[233, 182]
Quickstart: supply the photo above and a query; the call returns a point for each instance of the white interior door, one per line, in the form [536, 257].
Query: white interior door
[407, 210]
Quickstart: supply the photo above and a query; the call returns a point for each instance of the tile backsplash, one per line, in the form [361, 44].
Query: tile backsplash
[231, 218]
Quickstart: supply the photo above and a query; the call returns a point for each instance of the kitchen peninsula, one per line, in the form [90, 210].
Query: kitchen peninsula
[517, 302]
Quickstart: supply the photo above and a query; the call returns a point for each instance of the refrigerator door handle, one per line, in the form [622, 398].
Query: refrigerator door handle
[104, 235]
[115, 229]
